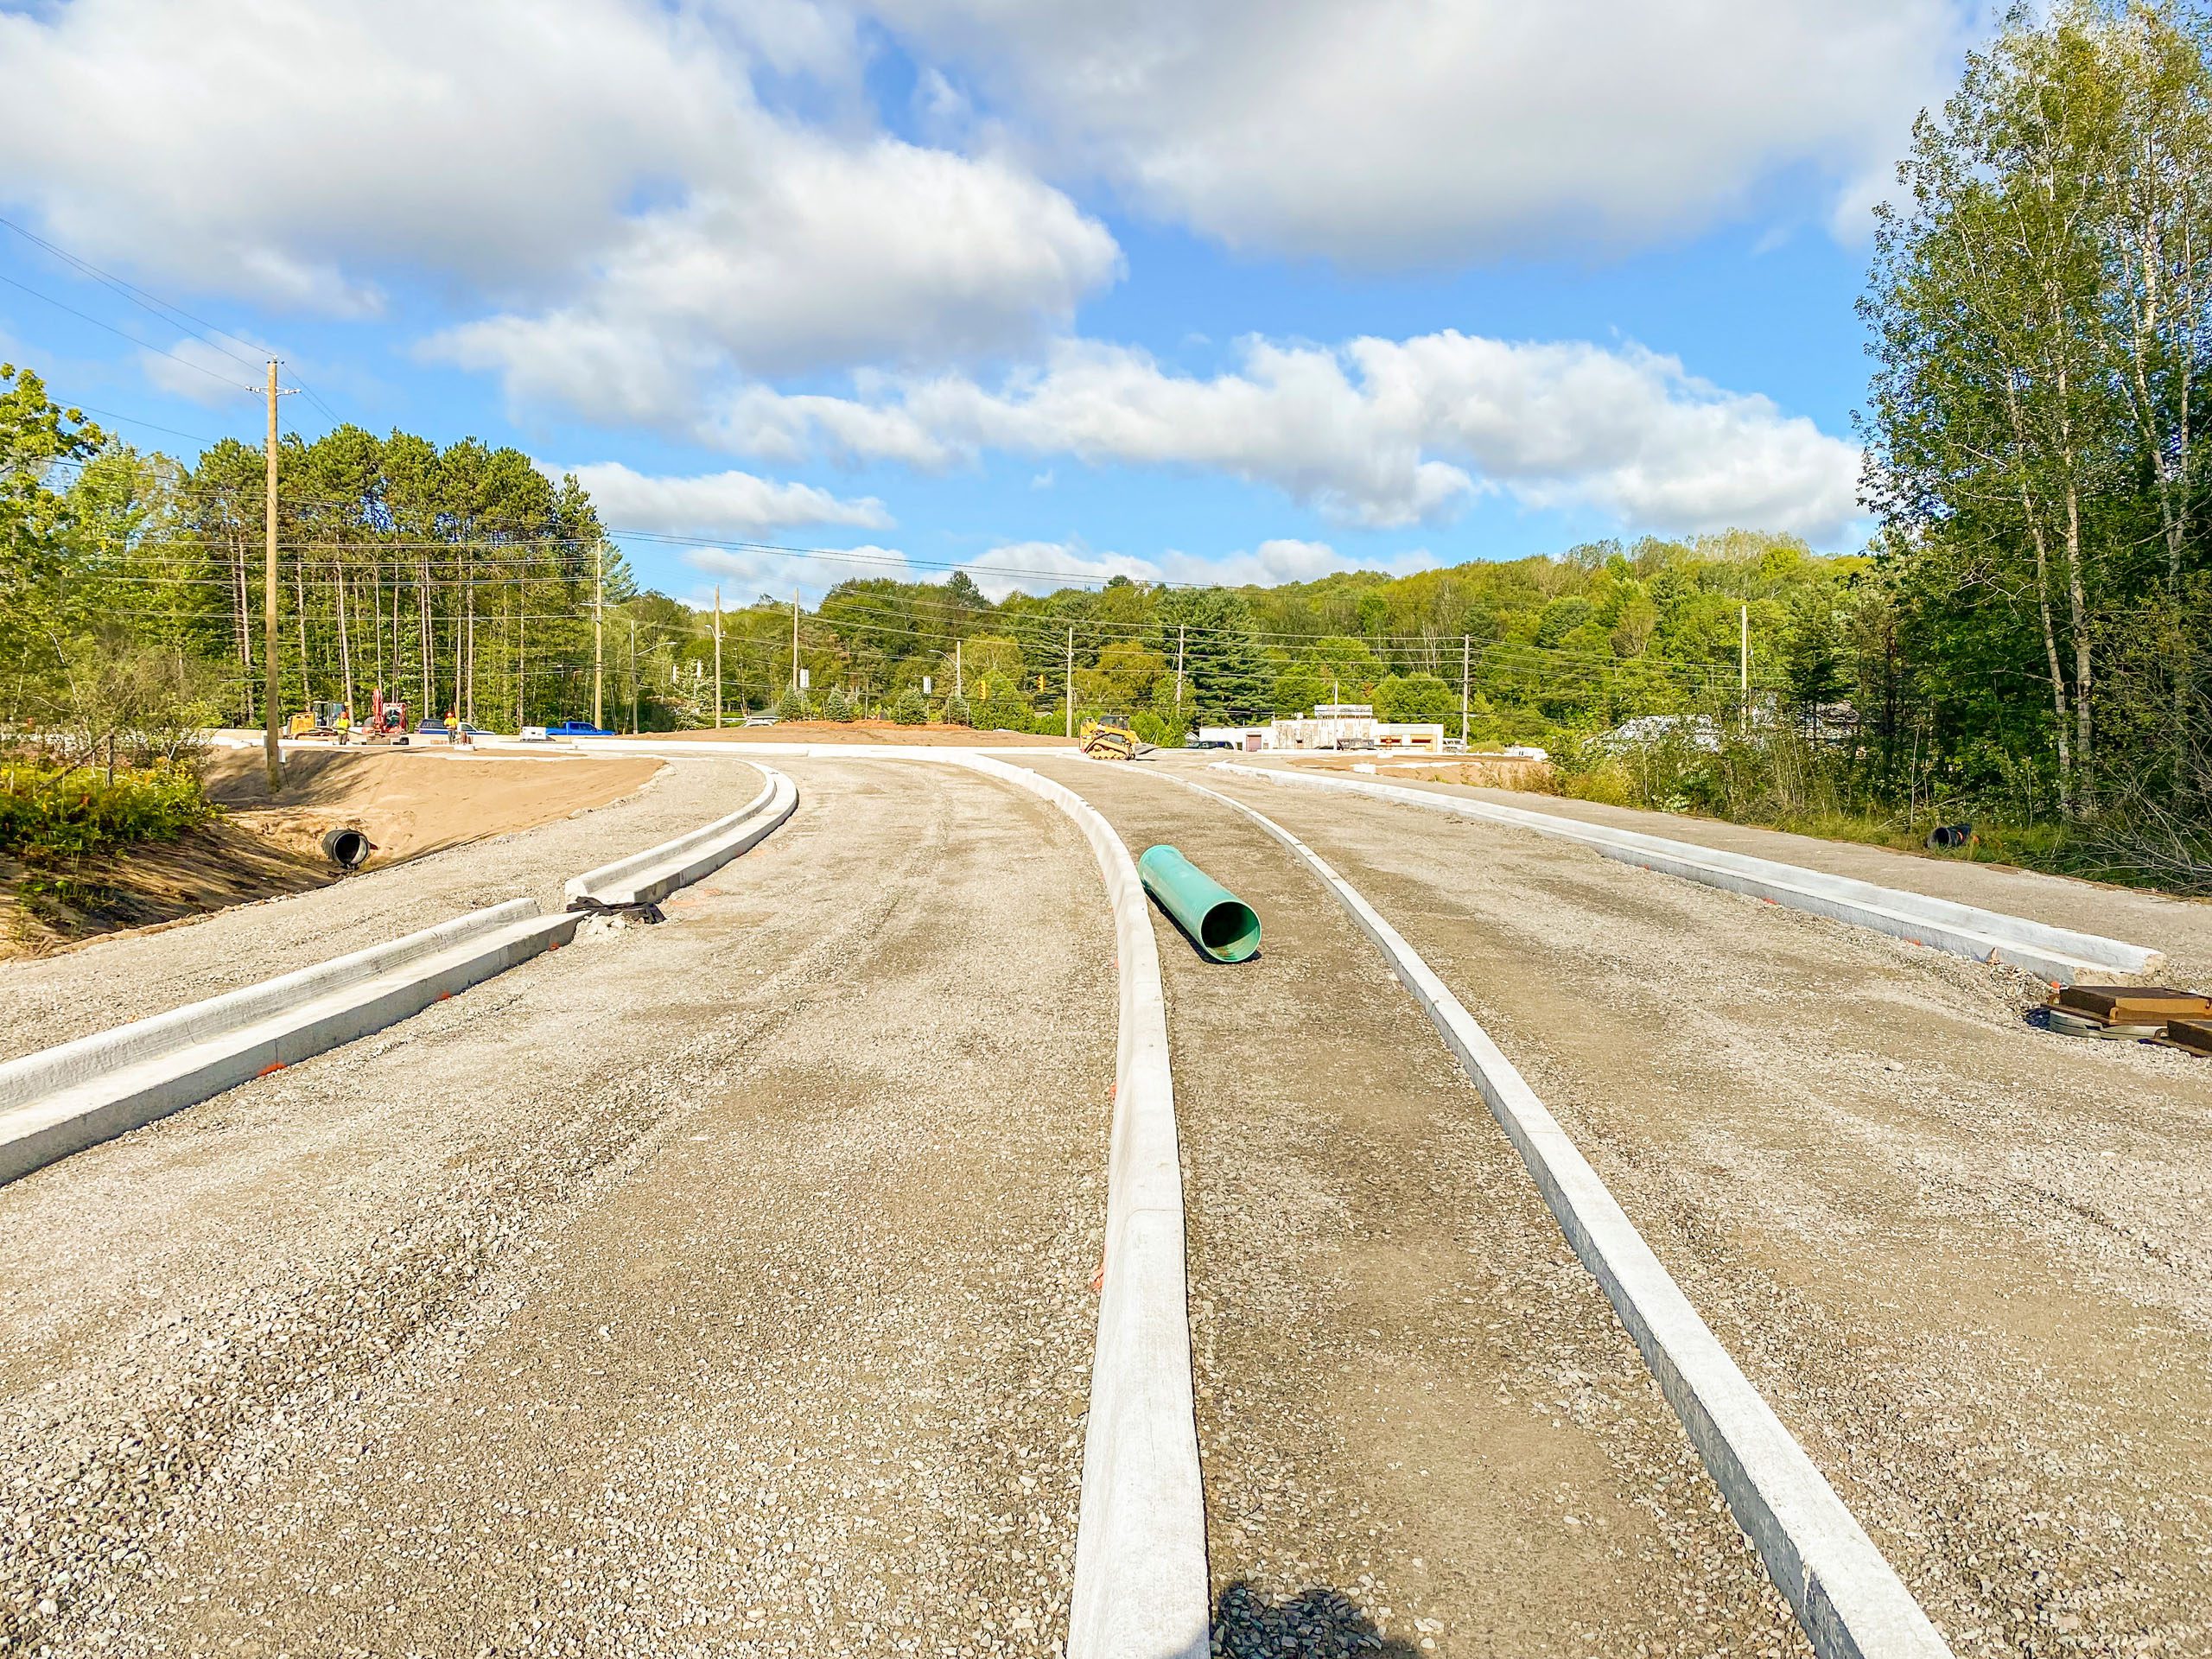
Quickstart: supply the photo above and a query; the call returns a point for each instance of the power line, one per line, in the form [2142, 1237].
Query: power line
[121, 335]
[150, 303]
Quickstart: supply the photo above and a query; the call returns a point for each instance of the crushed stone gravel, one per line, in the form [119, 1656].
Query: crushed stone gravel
[1966, 1261]
[1423, 1430]
[717, 1286]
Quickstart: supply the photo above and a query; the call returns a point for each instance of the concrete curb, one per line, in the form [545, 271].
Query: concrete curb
[2057, 954]
[652, 875]
[62, 1100]
[1848, 1599]
[1142, 1590]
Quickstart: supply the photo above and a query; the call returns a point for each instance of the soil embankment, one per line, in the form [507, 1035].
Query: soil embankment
[409, 803]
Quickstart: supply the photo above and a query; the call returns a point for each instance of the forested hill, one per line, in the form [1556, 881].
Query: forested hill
[464, 578]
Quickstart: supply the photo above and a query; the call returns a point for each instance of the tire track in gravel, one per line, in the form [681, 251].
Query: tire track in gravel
[259, 1268]
[1422, 1427]
[1966, 1261]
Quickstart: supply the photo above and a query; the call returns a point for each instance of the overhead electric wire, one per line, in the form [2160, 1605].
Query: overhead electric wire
[141, 344]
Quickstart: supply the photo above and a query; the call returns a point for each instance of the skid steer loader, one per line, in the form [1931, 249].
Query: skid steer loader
[1109, 738]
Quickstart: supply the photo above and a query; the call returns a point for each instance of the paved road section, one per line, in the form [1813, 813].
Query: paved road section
[1967, 1261]
[112, 981]
[2180, 927]
[1419, 1419]
[720, 1287]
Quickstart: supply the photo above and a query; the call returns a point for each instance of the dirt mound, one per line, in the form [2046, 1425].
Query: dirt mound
[407, 801]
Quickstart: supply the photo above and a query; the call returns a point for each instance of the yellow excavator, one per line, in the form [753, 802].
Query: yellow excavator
[1109, 738]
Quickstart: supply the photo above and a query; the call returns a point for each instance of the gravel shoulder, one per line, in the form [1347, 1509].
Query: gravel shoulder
[112, 981]
[1967, 1261]
[714, 1287]
[2180, 927]
[1419, 1419]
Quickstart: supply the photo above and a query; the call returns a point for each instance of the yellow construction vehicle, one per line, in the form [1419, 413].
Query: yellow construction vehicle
[319, 720]
[1110, 738]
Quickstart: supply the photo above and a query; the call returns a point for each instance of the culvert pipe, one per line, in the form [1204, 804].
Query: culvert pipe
[1220, 924]
[348, 849]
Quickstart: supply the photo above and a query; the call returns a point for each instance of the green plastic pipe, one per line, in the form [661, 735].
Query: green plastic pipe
[1220, 924]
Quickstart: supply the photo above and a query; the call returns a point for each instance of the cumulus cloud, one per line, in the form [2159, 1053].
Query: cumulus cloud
[1403, 131]
[1274, 562]
[603, 168]
[732, 503]
[1374, 432]
[756, 570]
[194, 370]
[829, 255]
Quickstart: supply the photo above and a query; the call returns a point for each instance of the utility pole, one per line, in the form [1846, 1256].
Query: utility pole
[270, 753]
[959, 679]
[1178, 670]
[1071, 686]
[794, 639]
[634, 677]
[718, 656]
[1466, 656]
[599, 637]
[1744, 653]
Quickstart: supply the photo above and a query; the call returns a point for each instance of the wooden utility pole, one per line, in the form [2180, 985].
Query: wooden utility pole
[959, 679]
[794, 639]
[1178, 670]
[634, 677]
[1071, 686]
[1744, 653]
[718, 656]
[344, 642]
[598, 635]
[270, 753]
[1466, 658]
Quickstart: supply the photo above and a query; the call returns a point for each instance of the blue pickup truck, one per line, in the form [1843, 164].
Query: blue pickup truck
[576, 728]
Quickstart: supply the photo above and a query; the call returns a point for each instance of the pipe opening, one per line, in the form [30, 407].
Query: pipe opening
[1230, 931]
[347, 849]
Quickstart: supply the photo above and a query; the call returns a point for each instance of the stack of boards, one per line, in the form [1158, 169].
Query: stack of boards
[2152, 1014]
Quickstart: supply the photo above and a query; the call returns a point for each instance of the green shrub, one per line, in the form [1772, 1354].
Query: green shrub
[794, 705]
[48, 813]
[956, 711]
[836, 706]
[910, 707]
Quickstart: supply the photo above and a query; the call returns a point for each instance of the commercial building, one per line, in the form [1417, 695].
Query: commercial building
[1331, 725]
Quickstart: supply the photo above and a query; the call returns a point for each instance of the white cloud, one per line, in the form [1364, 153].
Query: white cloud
[603, 170]
[1041, 566]
[1374, 432]
[732, 503]
[827, 255]
[201, 373]
[1274, 562]
[1400, 130]
[752, 571]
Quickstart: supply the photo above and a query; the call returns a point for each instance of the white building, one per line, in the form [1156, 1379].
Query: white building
[1331, 726]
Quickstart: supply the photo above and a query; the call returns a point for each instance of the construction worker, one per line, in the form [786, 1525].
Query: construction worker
[345, 726]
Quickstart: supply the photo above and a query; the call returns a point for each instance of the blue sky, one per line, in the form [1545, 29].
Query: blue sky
[1224, 290]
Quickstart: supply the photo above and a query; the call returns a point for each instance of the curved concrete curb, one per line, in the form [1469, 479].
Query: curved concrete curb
[64, 1099]
[1848, 1599]
[2057, 954]
[652, 875]
[1141, 1586]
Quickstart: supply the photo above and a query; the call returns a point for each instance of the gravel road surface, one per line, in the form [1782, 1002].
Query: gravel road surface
[2180, 927]
[1418, 1418]
[714, 1287]
[1969, 1262]
[112, 981]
